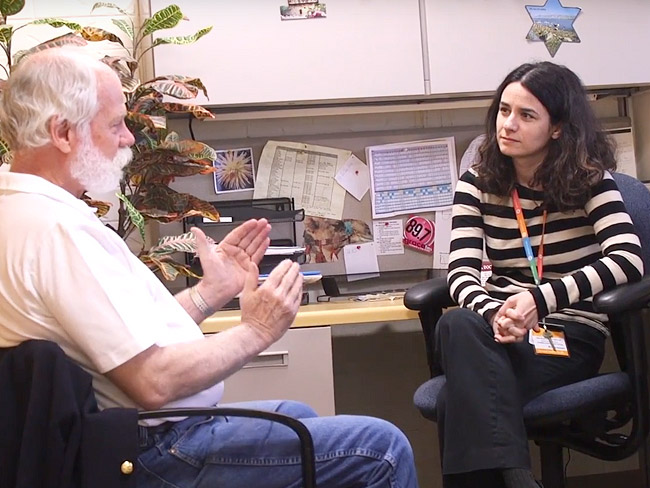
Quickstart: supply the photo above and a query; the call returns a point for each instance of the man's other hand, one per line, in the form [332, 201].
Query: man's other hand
[271, 307]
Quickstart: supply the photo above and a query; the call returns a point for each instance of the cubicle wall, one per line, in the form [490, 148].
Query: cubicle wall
[386, 48]
[362, 49]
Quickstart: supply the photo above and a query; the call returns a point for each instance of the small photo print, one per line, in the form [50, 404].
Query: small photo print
[301, 2]
[235, 170]
[303, 11]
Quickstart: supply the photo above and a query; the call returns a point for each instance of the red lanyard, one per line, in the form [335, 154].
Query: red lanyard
[536, 268]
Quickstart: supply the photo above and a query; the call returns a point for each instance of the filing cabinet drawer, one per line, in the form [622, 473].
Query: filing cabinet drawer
[297, 367]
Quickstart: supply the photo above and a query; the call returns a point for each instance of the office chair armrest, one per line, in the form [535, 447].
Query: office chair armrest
[631, 296]
[306, 442]
[433, 293]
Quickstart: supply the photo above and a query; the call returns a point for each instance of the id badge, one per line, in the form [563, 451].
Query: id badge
[549, 342]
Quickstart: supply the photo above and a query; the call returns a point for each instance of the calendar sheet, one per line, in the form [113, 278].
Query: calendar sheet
[412, 177]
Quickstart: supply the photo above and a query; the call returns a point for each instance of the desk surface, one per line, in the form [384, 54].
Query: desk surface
[327, 313]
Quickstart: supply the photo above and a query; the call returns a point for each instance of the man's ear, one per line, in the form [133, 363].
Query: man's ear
[61, 134]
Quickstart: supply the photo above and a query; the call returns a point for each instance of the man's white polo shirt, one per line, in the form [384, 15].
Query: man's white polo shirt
[66, 277]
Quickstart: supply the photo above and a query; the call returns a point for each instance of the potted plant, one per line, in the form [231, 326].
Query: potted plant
[159, 155]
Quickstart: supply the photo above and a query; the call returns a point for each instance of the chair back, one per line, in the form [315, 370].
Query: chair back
[637, 202]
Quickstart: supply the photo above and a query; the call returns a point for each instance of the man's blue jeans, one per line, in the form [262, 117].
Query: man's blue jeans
[229, 452]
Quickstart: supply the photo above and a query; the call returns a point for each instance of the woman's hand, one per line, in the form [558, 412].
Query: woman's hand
[515, 318]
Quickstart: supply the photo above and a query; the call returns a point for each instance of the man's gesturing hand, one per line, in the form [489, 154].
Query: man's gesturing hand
[271, 307]
[226, 265]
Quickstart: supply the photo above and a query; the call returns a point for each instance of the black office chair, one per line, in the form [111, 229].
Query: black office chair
[586, 416]
[54, 435]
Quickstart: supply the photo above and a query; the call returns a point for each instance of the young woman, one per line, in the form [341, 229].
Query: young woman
[542, 202]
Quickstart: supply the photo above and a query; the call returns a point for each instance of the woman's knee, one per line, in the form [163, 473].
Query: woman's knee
[459, 323]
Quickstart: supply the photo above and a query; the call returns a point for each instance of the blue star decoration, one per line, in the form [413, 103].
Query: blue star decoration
[552, 24]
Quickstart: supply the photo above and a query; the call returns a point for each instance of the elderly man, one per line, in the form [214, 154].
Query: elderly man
[67, 278]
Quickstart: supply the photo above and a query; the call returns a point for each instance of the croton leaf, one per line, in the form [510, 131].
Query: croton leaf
[95, 34]
[181, 40]
[163, 19]
[125, 67]
[100, 206]
[55, 22]
[65, 40]
[11, 7]
[124, 26]
[109, 5]
[169, 268]
[186, 80]
[170, 244]
[141, 119]
[166, 205]
[173, 88]
[4, 147]
[196, 110]
[201, 208]
[136, 217]
[194, 150]
[6, 32]
[161, 197]
[146, 104]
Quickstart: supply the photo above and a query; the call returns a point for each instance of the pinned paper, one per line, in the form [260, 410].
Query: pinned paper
[361, 258]
[388, 237]
[443, 239]
[354, 177]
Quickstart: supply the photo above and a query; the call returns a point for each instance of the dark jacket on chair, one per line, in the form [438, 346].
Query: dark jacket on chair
[45, 403]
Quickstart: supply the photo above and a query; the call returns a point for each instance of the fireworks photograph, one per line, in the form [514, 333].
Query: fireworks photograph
[234, 170]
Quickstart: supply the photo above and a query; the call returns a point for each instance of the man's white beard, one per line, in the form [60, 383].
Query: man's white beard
[96, 172]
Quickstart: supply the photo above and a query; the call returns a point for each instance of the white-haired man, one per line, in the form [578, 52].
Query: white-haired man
[67, 278]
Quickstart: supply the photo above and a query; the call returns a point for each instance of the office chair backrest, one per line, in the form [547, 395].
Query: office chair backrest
[637, 202]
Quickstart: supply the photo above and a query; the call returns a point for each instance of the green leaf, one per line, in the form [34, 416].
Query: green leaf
[5, 152]
[182, 40]
[135, 216]
[124, 26]
[11, 7]
[4, 146]
[109, 5]
[6, 32]
[54, 22]
[170, 244]
[163, 19]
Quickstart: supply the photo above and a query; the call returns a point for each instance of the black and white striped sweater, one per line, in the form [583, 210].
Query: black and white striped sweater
[585, 251]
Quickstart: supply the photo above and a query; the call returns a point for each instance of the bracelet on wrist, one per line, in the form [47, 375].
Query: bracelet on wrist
[199, 302]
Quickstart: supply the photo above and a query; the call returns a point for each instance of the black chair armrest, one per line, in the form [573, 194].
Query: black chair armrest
[428, 294]
[631, 296]
[306, 442]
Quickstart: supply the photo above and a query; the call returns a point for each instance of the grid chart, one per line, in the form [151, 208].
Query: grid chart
[304, 175]
[411, 178]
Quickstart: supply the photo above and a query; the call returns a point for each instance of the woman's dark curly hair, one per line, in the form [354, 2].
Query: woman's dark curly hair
[575, 161]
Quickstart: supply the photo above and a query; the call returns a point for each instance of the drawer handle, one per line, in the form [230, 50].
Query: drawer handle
[270, 359]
